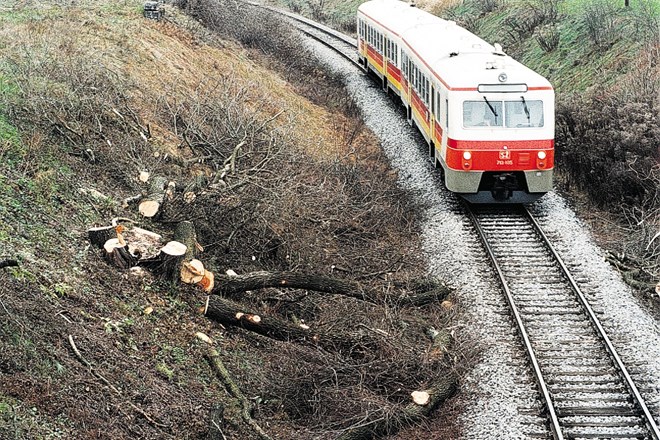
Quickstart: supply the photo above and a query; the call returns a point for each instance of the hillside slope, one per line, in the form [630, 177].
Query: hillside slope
[91, 96]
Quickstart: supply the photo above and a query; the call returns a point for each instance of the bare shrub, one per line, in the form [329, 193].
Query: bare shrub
[529, 16]
[601, 140]
[547, 36]
[646, 21]
[83, 107]
[601, 22]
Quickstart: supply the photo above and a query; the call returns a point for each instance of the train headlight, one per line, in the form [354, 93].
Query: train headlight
[540, 159]
[467, 160]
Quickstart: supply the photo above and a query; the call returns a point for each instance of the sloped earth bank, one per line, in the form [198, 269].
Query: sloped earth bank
[492, 397]
[89, 351]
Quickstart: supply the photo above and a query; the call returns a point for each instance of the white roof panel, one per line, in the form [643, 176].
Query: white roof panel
[456, 56]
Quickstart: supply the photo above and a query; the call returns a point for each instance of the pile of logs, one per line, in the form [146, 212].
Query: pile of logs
[175, 260]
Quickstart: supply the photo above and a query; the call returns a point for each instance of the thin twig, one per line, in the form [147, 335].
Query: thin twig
[109, 385]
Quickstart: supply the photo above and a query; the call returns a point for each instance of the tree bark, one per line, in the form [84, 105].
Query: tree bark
[439, 391]
[185, 233]
[8, 263]
[423, 298]
[151, 205]
[118, 254]
[231, 285]
[230, 313]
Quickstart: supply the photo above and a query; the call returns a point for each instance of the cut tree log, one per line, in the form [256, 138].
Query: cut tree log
[229, 285]
[168, 262]
[230, 313]
[98, 236]
[440, 390]
[117, 253]
[151, 205]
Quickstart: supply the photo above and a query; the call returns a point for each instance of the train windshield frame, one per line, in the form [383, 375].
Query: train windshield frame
[498, 113]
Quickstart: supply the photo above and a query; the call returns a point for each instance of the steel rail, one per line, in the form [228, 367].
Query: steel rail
[554, 421]
[651, 424]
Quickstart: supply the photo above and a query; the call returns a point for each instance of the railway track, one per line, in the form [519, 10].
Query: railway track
[343, 44]
[587, 392]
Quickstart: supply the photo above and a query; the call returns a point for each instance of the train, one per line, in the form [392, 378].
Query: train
[488, 120]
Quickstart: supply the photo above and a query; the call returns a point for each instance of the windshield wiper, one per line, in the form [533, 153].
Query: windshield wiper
[490, 107]
[526, 108]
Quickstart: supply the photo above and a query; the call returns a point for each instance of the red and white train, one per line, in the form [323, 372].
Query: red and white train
[488, 120]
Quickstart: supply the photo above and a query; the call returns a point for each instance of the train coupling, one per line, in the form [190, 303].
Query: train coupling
[503, 186]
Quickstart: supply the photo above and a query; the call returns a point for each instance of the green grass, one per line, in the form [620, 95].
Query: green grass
[598, 39]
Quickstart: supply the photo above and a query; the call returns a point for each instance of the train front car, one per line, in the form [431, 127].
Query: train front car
[500, 132]
[488, 120]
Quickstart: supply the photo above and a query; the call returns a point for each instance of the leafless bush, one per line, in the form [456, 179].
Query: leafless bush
[547, 36]
[529, 16]
[609, 147]
[646, 22]
[487, 6]
[83, 107]
[601, 22]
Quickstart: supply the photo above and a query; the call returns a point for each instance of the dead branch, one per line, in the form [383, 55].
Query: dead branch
[233, 314]
[230, 385]
[440, 390]
[232, 285]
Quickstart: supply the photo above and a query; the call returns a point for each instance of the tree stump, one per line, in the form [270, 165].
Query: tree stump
[168, 262]
[117, 253]
[185, 233]
[100, 235]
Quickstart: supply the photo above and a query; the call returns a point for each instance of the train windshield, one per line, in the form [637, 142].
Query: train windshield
[518, 113]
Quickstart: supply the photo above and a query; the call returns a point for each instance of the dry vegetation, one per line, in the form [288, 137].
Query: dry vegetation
[90, 96]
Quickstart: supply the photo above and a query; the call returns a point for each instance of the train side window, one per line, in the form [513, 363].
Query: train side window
[447, 113]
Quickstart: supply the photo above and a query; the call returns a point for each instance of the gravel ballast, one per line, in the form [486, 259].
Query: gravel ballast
[495, 402]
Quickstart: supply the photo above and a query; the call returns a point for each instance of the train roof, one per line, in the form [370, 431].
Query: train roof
[458, 58]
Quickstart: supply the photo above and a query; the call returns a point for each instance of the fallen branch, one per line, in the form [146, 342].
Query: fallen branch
[439, 391]
[230, 313]
[230, 385]
[231, 285]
